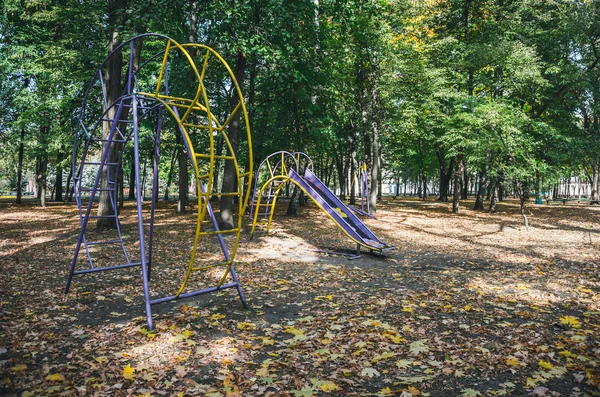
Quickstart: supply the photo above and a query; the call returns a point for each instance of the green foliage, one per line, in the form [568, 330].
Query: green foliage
[511, 84]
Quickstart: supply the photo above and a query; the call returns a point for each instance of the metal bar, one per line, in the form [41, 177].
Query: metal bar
[117, 121]
[162, 68]
[233, 112]
[102, 269]
[213, 219]
[239, 287]
[233, 194]
[138, 196]
[87, 251]
[199, 126]
[103, 242]
[207, 156]
[217, 232]
[204, 66]
[154, 187]
[106, 140]
[193, 293]
[99, 163]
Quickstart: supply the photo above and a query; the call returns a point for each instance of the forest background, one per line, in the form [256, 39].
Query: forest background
[503, 95]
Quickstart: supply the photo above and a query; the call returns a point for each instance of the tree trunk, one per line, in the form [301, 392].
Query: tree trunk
[465, 185]
[20, 167]
[183, 178]
[69, 192]
[113, 88]
[457, 175]
[121, 186]
[229, 172]
[292, 209]
[131, 195]
[42, 165]
[481, 189]
[170, 175]
[58, 184]
[376, 158]
[493, 196]
[341, 176]
[595, 182]
[353, 164]
[445, 175]
[523, 191]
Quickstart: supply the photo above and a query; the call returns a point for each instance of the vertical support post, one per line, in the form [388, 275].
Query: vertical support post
[238, 287]
[138, 197]
[154, 187]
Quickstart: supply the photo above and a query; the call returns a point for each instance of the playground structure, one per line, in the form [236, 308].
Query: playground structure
[282, 168]
[151, 101]
[363, 177]
[276, 164]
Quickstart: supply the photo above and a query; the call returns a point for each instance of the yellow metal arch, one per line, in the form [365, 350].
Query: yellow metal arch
[173, 103]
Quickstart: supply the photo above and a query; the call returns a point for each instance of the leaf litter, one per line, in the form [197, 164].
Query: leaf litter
[461, 308]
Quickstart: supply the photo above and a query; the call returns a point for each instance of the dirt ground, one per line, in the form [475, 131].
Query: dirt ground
[467, 305]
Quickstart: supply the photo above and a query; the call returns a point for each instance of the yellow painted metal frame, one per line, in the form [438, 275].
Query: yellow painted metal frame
[363, 167]
[285, 179]
[172, 103]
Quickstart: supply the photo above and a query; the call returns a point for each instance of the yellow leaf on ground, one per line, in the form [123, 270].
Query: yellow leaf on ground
[19, 367]
[383, 356]
[328, 386]
[55, 377]
[414, 391]
[386, 391]
[565, 353]
[129, 372]
[570, 321]
[545, 364]
[397, 339]
[244, 326]
[293, 330]
[512, 362]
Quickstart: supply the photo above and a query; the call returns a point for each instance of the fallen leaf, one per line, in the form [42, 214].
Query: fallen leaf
[129, 372]
[418, 347]
[370, 372]
[55, 377]
[244, 326]
[545, 364]
[328, 386]
[570, 321]
[538, 391]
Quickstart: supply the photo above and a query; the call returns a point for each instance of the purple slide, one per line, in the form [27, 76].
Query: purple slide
[343, 217]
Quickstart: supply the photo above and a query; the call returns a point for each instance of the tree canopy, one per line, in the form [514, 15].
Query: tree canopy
[501, 93]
